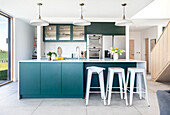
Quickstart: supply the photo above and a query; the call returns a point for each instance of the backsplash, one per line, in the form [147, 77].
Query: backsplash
[67, 48]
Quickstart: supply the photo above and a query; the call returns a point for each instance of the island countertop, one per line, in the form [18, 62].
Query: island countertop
[84, 60]
[55, 79]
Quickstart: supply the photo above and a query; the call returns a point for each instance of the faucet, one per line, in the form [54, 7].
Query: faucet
[78, 52]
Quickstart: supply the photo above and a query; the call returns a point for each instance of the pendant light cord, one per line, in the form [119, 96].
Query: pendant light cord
[82, 4]
[39, 12]
[81, 12]
[39, 4]
[124, 10]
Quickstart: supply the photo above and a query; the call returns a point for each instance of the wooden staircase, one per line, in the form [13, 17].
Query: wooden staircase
[160, 57]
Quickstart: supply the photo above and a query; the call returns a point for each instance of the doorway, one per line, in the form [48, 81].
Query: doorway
[131, 49]
[147, 54]
[5, 48]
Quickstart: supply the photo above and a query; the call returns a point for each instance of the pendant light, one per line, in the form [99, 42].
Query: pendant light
[81, 21]
[124, 21]
[39, 21]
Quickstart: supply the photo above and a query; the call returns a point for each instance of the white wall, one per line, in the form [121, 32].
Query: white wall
[151, 33]
[23, 43]
[140, 36]
[136, 36]
[67, 47]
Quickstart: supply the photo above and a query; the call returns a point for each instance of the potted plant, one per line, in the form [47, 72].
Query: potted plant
[53, 56]
[49, 54]
[115, 52]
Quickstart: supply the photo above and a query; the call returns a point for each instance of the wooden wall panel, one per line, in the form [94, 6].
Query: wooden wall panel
[160, 57]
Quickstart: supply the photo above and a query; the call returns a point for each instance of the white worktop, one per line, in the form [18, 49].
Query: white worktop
[84, 60]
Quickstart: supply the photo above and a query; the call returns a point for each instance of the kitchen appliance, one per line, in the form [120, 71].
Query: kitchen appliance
[107, 54]
[94, 46]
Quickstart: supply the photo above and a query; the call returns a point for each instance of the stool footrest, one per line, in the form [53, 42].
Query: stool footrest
[94, 87]
[94, 91]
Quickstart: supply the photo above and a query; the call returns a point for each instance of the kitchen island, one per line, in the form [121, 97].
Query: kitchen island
[64, 78]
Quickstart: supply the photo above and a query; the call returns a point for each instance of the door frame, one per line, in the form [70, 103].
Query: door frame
[149, 55]
[10, 47]
[129, 48]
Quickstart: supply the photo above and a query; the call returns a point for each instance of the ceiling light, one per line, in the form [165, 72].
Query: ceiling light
[39, 21]
[124, 21]
[81, 21]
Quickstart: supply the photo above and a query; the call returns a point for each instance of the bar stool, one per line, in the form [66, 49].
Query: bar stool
[141, 88]
[99, 71]
[121, 76]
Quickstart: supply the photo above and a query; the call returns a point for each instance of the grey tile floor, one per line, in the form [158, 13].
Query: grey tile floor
[10, 105]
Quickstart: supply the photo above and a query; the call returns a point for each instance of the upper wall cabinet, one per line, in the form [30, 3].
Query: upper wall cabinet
[105, 28]
[63, 33]
[78, 33]
[50, 33]
[94, 28]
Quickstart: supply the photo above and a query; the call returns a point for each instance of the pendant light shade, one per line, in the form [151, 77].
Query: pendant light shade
[39, 21]
[81, 21]
[124, 21]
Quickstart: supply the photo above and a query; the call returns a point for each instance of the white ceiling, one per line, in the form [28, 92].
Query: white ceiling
[158, 9]
[142, 24]
[67, 10]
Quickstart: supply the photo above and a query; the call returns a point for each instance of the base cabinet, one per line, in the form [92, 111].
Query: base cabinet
[72, 79]
[29, 81]
[51, 80]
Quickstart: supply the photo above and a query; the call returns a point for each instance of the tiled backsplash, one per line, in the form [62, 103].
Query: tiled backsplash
[67, 47]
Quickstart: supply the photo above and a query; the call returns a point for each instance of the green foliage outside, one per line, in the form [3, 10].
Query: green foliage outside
[3, 65]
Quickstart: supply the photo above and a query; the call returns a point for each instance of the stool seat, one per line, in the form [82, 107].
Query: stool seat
[113, 69]
[99, 71]
[96, 69]
[136, 69]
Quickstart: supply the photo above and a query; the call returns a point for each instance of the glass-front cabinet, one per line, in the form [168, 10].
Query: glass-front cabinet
[64, 32]
[50, 33]
[78, 33]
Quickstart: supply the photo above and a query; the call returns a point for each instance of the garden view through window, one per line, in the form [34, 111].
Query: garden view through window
[4, 49]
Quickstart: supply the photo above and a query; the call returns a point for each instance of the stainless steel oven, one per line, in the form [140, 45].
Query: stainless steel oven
[94, 46]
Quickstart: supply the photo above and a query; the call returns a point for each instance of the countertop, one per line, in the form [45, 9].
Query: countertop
[84, 60]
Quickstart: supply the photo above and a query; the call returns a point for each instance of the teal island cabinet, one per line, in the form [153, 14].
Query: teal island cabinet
[64, 79]
[50, 80]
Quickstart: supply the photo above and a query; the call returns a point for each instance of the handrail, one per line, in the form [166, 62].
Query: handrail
[160, 54]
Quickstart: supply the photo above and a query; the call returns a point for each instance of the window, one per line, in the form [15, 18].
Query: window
[5, 48]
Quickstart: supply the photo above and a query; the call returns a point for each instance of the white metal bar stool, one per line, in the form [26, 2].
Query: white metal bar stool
[109, 86]
[99, 71]
[141, 84]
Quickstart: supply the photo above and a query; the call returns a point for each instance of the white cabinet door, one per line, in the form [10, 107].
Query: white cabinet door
[120, 42]
[107, 43]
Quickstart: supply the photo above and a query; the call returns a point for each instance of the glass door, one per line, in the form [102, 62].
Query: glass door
[64, 32]
[78, 33]
[4, 49]
[50, 33]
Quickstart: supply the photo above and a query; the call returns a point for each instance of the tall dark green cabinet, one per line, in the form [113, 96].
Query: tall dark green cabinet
[105, 28]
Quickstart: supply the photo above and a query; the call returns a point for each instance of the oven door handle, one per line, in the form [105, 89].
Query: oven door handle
[94, 39]
[94, 51]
